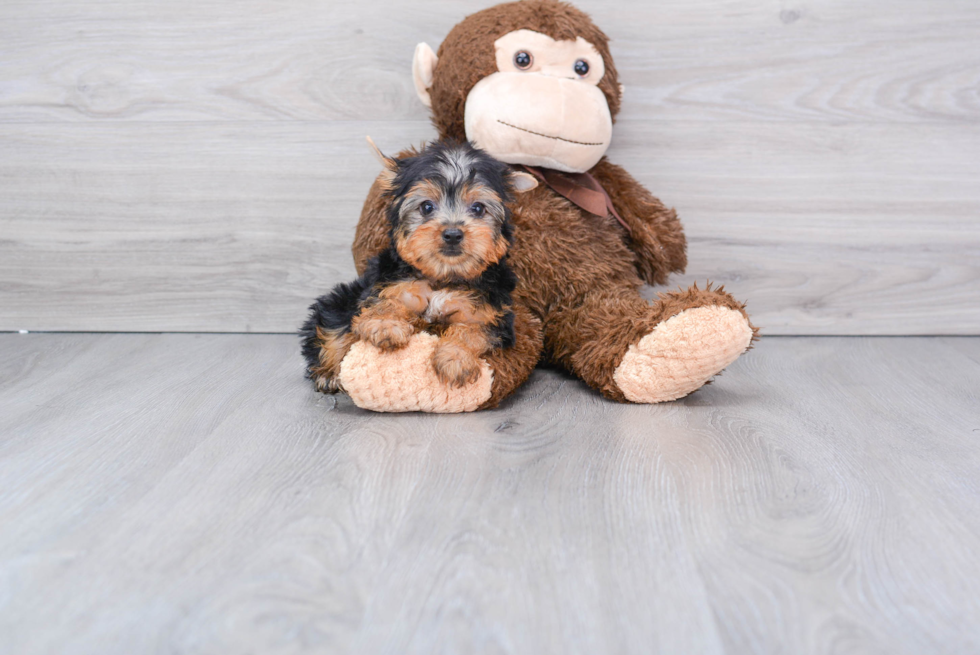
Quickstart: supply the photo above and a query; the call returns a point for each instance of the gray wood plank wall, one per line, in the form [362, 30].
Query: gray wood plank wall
[200, 165]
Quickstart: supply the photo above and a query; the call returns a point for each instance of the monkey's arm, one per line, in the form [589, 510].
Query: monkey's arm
[656, 237]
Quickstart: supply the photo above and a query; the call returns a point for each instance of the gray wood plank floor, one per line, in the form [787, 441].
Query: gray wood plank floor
[190, 494]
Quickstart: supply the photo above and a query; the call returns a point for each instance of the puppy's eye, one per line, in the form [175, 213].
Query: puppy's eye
[523, 59]
[581, 68]
[478, 209]
[427, 208]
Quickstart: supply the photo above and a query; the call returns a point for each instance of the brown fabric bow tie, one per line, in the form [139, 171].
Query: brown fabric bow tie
[581, 189]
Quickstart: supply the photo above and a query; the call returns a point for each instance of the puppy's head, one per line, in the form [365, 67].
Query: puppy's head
[448, 209]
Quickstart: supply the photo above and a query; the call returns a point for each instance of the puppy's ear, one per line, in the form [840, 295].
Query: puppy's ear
[521, 181]
[388, 165]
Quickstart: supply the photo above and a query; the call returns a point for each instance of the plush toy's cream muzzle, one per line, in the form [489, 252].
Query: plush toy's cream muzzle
[560, 123]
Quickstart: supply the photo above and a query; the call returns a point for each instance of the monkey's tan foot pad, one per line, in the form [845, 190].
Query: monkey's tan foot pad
[405, 381]
[682, 353]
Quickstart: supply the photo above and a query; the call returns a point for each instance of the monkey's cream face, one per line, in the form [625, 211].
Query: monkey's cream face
[543, 106]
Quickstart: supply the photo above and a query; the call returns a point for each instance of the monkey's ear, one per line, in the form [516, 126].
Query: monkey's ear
[423, 65]
[521, 181]
[389, 165]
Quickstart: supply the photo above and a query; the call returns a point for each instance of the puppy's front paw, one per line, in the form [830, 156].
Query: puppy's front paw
[328, 384]
[455, 366]
[386, 334]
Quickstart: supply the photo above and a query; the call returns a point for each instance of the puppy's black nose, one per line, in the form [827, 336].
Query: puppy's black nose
[452, 235]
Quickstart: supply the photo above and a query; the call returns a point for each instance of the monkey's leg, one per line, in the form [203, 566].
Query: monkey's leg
[632, 350]
[405, 380]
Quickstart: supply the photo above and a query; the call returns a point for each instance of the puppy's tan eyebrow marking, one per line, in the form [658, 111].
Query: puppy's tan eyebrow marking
[473, 192]
[425, 189]
[548, 136]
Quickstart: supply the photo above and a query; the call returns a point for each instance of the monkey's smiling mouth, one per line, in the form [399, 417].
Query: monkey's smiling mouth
[548, 136]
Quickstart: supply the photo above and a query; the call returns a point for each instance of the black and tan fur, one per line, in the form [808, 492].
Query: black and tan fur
[444, 270]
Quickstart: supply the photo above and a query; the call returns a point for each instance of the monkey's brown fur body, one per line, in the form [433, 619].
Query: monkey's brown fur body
[577, 301]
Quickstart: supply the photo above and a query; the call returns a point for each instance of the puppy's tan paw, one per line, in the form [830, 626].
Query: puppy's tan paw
[455, 366]
[386, 334]
[327, 384]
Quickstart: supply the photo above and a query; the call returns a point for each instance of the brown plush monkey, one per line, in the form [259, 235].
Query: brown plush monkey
[533, 84]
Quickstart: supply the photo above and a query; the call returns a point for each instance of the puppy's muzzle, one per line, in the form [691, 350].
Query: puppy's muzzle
[452, 237]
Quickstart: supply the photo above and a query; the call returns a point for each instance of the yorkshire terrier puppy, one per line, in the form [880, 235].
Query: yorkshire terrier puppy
[445, 271]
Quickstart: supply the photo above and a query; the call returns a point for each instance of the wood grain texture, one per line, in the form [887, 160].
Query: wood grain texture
[193, 166]
[824, 229]
[189, 493]
[829, 60]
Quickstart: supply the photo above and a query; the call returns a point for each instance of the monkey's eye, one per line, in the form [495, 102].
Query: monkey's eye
[478, 209]
[427, 208]
[523, 59]
[582, 68]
